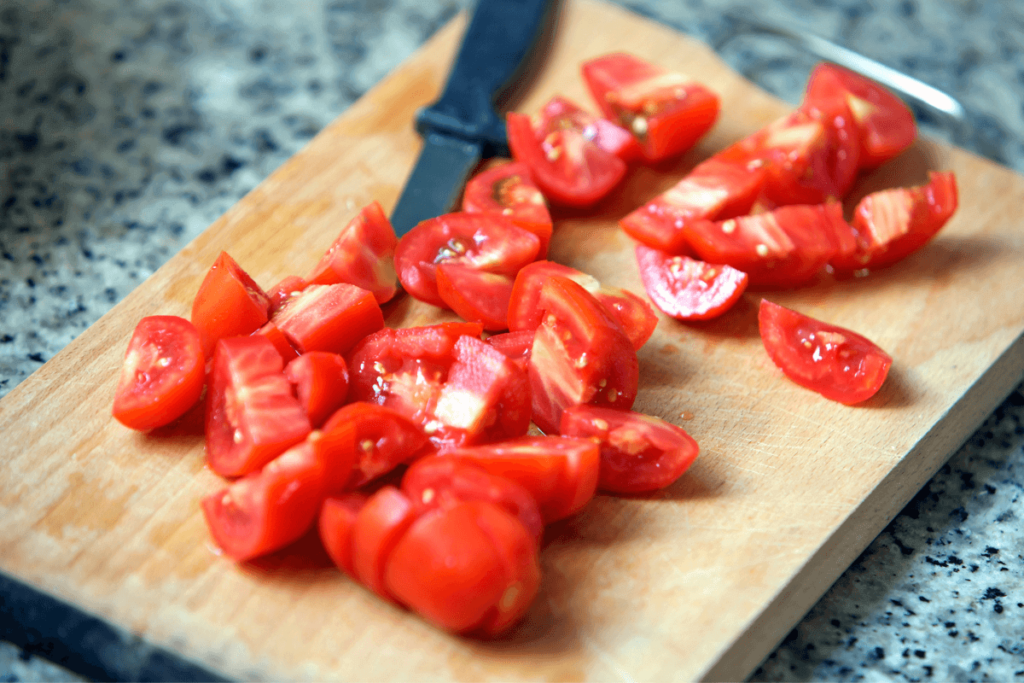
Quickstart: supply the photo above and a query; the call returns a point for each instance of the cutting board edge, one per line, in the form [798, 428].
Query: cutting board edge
[865, 522]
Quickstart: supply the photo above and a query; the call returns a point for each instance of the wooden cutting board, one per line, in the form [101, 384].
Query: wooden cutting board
[699, 581]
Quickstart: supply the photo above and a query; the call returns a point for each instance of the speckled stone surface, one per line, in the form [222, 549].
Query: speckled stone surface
[127, 126]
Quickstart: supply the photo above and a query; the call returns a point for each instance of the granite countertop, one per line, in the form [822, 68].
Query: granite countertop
[128, 126]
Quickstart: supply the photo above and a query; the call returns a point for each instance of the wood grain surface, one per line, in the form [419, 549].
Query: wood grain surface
[699, 581]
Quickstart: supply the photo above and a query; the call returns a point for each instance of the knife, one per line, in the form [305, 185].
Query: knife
[463, 126]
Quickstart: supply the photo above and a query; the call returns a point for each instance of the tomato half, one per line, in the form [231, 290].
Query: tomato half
[163, 373]
[892, 224]
[484, 241]
[568, 168]
[443, 481]
[639, 453]
[362, 255]
[320, 379]
[885, 124]
[329, 318]
[666, 111]
[469, 567]
[688, 289]
[560, 473]
[252, 416]
[229, 303]
[838, 364]
[269, 509]
[508, 190]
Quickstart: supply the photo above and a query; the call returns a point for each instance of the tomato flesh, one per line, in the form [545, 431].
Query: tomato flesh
[379, 526]
[560, 113]
[329, 318]
[509, 190]
[475, 295]
[163, 373]
[337, 520]
[320, 379]
[229, 303]
[252, 416]
[688, 289]
[639, 453]
[839, 364]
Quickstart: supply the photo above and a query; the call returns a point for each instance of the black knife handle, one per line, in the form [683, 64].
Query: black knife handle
[500, 37]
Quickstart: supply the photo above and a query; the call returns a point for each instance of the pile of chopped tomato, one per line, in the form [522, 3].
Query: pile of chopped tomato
[408, 449]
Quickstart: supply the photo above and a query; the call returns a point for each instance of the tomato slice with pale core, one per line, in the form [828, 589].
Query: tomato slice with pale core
[688, 289]
[163, 373]
[839, 364]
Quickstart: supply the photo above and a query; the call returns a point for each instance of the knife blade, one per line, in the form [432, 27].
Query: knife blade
[463, 126]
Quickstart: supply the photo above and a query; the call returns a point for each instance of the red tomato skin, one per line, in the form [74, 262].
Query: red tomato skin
[515, 345]
[379, 527]
[837, 363]
[320, 379]
[475, 295]
[362, 255]
[266, 510]
[639, 453]
[508, 190]
[337, 520]
[276, 337]
[484, 241]
[885, 124]
[442, 481]
[228, 303]
[374, 439]
[667, 113]
[561, 473]
[448, 568]
[569, 169]
[579, 355]
[252, 416]
[163, 373]
[716, 189]
[288, 288]
[330, 318]
[688, 289]
[892, 224]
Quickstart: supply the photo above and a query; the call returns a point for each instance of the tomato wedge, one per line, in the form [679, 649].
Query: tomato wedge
[562, 114]
[568, 168]
[471, 567]
[320, 379]
[276, 337]
[560, 473]
[508, 190]
[252, 416]
[362, 255]
[337, 520]
[639, 453]
[443, 481]
[688, 289]
[892, 224]
[475, 295]
[163, 373]
[269, 509]
[665, 111]
[885, 124]
[329, 318]
[483, 241]
[379, 526]
[288, 288]
[838, 364]
[229, 303]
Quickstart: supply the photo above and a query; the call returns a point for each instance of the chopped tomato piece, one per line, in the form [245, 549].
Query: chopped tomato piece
[320, 379]
[284, 347]
[560, 113]
[568, 168]
[515, 345]
[229, 303]
[560, 473]
[634, 315]
[475, 295]
[287, 289]
[892, 224]
[508, 190]
[379, 526]
[666, 111]
[838, 364]
[442, 481]
[252, 416]
[469, 567]
[268, 509]
[885, 125]
[329, 318]
[483, 241]
[639, 452]
[362, 255]
[337, 519]
[163, 373]
[688, 289]
[579, 355]
[373, 438]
